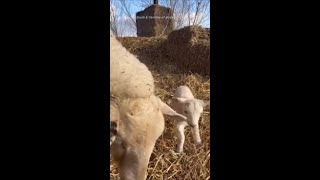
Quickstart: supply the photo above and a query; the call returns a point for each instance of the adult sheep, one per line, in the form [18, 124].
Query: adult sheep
[128, 76]
[136, 114]
[140, 124]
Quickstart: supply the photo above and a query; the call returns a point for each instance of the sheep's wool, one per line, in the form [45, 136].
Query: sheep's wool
[128, 76]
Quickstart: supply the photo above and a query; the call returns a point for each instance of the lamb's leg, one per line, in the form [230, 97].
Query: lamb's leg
[196, 135]
[180, 135]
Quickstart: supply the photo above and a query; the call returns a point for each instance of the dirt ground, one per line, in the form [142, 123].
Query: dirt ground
[194, 163]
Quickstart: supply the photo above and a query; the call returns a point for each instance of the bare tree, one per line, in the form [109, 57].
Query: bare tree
[126, 8]
[120, 23]
[113, 19]
[185, 12]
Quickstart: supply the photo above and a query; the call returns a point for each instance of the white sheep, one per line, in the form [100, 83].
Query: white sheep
[128, 76]
[183, 102]
[141, 122]
[136, 114]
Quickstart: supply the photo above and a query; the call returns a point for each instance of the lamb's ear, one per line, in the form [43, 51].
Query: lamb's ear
[167, 110]
[205, 103]
[179, 99]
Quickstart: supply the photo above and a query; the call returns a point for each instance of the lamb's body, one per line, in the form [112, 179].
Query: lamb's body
[136, 114]
[184, 103]
[128, 76]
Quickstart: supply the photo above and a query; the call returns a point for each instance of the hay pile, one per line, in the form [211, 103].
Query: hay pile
[148, 50]
[190, 47]
[194, 164]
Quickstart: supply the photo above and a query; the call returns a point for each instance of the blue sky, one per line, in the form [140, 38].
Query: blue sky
[135, 6]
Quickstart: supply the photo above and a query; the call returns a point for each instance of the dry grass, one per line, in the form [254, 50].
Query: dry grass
[189, 47]
[194, 163]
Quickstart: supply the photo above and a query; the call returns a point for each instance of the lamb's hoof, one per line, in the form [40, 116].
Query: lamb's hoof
[178, 151]
[174, 153]
[198, 144]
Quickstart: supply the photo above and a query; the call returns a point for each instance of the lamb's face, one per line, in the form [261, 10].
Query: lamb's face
[193, 109]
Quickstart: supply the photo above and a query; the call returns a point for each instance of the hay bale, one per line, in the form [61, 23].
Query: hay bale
[189, 48]
[150, 51]
[154, 21]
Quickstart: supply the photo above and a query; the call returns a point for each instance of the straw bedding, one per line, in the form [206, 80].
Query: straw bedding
[194, 163]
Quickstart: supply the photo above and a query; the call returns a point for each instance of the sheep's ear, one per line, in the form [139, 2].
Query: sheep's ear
[167, 110]
[179, 99]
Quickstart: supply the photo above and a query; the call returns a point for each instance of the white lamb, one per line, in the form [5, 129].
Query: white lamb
[128, 76]
[183, 102]
[136, 114]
